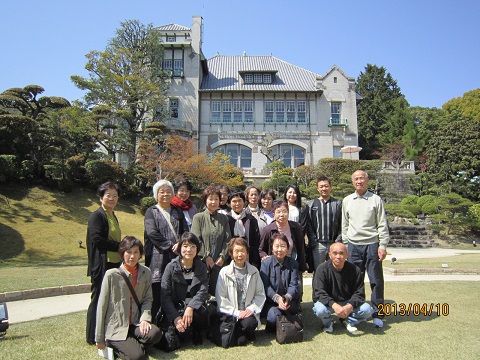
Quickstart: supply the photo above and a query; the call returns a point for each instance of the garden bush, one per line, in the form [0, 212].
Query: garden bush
[101, 171]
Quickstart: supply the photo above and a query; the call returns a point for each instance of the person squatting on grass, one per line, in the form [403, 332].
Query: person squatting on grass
[279, 274]
[185, 291]
[240, 292]
[103, 240]
[121, 324]
[338, 287]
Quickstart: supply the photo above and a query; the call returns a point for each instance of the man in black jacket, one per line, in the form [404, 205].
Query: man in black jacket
[338, 287]
[321, 221]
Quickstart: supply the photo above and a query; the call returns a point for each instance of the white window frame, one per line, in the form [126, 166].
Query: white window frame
[248, 78]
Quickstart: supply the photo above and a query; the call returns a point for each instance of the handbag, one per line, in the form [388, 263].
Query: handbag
[289, 329]
[223, 331]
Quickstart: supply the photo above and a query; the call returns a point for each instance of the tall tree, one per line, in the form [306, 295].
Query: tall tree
[380, 109]
[127, 77]
[453, 153]
[26, 126]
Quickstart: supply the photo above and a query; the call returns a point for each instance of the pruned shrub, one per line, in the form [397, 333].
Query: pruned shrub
[101, 171]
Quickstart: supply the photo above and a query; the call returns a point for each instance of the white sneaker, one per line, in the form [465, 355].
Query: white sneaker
[328, 329]
[377, 322]
[349, 326]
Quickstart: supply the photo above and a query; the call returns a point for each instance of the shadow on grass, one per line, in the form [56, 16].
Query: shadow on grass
[11, 242]
[26, 213]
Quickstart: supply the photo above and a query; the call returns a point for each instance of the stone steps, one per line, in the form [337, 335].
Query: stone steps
[411, 236]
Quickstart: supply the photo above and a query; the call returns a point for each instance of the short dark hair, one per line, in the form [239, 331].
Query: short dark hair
[191, 238]
[279, 236]
[236, 194]
[224, 187]
[324, 178]
[210, 190]
[237, 241]
[266, 192]
[129, 242]
[279, 203]
[183, 182]
[102, 189]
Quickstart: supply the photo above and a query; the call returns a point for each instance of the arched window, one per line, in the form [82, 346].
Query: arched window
[240, 155]
[291, 155]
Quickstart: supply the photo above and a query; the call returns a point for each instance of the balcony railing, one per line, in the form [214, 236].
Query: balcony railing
[334, 122]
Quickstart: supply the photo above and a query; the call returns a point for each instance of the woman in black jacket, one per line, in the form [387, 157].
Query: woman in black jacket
[103, 240]
[185, 290]
[164, 224]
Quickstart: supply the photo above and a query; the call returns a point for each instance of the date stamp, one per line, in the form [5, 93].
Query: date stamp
[415, 309]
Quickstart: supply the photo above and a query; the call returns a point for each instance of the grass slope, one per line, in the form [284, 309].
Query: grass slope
[42, 227]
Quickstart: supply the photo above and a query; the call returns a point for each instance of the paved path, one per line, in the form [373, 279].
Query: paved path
[27, 310]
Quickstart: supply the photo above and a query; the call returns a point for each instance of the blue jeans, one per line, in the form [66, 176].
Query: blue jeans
[359, 314]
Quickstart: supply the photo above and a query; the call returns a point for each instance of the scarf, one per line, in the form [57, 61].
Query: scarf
[184, 205]
[253, 211]
[239, 229]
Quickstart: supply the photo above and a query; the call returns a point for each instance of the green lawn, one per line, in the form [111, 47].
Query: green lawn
[452, 336]
[462, 261]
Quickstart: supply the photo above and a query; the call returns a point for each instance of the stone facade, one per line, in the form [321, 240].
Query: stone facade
[249, 106]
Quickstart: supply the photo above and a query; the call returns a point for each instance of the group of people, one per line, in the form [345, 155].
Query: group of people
[244, 255]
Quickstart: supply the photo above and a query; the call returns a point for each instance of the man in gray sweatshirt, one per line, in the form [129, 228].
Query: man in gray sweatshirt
[365, 230]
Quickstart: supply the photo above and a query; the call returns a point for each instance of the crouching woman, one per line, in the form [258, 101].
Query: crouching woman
[121, 323]
[240, 292]
[185, 290]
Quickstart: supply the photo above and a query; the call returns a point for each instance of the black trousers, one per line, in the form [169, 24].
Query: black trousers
[133, 347]
[92, 308]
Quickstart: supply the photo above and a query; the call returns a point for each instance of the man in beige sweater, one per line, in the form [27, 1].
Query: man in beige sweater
[365, 230]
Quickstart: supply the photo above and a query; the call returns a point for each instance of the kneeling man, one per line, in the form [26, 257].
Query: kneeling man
[338, 287]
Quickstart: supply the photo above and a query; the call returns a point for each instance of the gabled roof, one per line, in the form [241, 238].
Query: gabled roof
[224, 74]
[173, 27]
[332, 69]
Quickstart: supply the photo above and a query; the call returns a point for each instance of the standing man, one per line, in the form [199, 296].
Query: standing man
[322, 221]
[365, 229]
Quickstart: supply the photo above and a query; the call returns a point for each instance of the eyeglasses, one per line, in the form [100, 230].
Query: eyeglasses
[278, 212]
[280, 246]
[189, 246]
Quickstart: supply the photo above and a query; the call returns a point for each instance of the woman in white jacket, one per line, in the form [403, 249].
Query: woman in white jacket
[240, 292]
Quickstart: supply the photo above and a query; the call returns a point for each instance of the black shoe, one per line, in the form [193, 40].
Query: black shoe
[242, 340]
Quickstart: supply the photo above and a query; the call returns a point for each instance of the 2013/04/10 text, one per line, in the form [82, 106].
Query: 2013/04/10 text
[415, 309]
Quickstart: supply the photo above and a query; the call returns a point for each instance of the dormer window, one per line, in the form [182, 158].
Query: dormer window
[170, 38]
[257, 77]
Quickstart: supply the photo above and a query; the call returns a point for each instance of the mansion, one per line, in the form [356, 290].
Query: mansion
[256, 108]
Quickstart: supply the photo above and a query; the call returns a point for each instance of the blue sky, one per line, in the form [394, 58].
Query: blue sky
[431, 47]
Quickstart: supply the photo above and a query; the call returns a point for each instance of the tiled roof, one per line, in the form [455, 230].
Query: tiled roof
[173, 27]
[224, 74]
